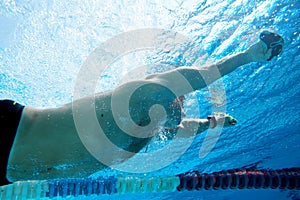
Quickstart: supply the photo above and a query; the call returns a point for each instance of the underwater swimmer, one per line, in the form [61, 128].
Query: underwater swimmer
[44, 143]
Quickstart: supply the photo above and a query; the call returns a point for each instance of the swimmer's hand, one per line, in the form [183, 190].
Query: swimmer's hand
[258, 52]
[222, 120]
[269, 46]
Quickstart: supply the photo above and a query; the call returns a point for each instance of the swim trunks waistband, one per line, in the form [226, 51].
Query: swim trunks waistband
[10, 115]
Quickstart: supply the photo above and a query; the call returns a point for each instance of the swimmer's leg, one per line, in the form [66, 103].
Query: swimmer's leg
[10, 114]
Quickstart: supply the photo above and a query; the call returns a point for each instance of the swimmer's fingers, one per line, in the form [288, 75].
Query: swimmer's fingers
[230, 121]
[266, 53]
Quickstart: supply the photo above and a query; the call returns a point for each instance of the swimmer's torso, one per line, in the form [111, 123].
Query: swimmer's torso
[47, 144]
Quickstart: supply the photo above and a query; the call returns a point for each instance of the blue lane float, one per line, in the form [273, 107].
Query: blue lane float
[284, 179]
[78, 187]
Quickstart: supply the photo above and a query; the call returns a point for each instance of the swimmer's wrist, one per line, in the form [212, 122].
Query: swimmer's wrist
[212, 121]
[248, 56]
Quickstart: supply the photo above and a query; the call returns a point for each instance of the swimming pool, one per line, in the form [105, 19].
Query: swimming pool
[44, 44]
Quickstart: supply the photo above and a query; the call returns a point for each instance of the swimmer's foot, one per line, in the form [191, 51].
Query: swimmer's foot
[272, 41]
[269, 46]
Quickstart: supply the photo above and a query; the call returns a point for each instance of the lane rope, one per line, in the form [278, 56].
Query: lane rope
[288, 179]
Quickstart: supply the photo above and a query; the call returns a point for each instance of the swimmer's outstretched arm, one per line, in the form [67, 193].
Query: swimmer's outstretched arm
[200, 77]
[190, 127]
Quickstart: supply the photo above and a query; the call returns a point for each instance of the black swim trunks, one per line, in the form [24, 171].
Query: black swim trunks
[10, 114]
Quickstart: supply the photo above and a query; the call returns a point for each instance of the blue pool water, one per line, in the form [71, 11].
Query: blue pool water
[43, 45]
